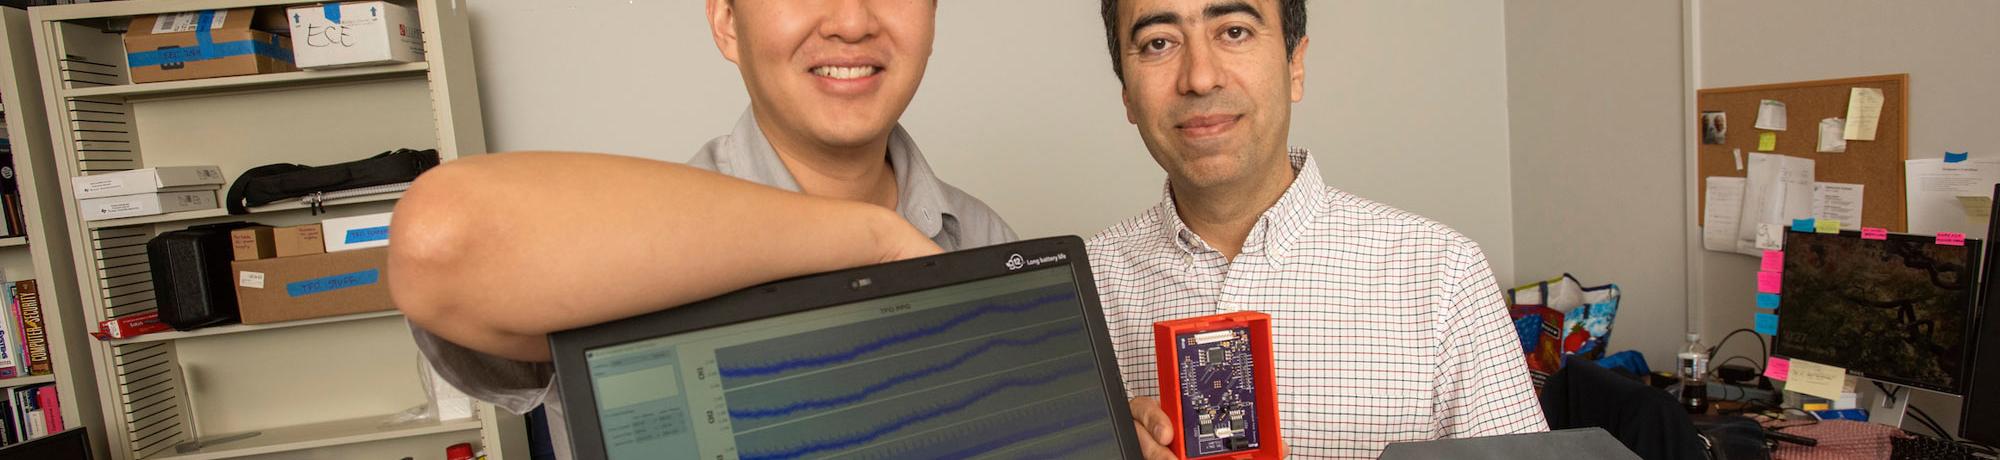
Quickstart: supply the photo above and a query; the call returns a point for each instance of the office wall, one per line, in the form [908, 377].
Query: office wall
[1949, 47]
[1594, 98]
[1406, 102]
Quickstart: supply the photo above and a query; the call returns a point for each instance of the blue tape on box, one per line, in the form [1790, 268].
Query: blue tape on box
[333, 283]
[366, 234]
[332, 11]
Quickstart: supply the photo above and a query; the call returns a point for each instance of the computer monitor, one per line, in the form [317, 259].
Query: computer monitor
[1982, 397]
[1898, 310]
[999, 352]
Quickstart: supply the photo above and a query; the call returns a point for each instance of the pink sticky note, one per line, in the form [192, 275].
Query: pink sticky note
[1778, 369]
[1951, 239]
[1774, 261]
[1872, 233]
[1770, 282]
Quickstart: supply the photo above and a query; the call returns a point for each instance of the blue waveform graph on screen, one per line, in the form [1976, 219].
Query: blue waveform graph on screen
[1003, 377]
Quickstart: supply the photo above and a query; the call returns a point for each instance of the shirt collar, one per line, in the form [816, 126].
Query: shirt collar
[920, 195]
[1279, 228]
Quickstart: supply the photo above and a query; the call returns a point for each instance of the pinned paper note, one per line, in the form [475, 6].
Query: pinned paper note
[1950, 157]
[1778, 369]
[1831, 135]
[1838, 202]
[1770, 236]
[1951, 239]
[1739, 158]
[1977, 208]
[1864, 111]
[1770, 282]
[1872, 233]
[1826, 226]
[1815, 379]
[1767, 301]
[1767, 142]
[1718, 220]
[1771, 115]
[1803, 225]
[1932, 188]
[1777, 189]
[1774, 261]
[1767, 324]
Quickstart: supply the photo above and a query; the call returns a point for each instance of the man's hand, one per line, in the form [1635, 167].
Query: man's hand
[1155, 431]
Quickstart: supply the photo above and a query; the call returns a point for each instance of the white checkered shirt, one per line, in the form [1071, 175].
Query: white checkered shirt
[1387, 326]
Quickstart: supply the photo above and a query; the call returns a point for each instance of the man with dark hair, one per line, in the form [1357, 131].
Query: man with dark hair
[1387, 326]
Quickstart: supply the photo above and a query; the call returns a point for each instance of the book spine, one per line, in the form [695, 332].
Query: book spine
[10, 365]
[31, 413]
[33, 331]
[51, 408]
[9, 430]
[10, 195]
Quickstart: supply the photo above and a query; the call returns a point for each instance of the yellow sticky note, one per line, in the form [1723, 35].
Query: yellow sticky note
[1826, 226]
[1767, 142]
[1816, 379]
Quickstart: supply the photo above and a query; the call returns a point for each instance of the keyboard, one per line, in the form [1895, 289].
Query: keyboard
[1927, 448]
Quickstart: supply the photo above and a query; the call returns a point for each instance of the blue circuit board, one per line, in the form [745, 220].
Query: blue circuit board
[1218, 392]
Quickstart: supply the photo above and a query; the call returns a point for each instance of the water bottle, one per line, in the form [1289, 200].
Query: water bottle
[1692, 372]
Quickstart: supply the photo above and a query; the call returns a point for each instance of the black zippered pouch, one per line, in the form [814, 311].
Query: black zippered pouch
[267, 184]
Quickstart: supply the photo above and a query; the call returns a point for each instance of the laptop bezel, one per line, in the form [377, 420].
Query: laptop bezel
[831, 289]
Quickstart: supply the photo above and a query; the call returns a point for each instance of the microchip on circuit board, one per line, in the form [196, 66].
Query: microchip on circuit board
[1216, 384]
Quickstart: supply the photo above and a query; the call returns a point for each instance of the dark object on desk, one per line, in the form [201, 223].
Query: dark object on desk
[1982, 395]
[191, 276]
[71, 444]
[267, 184]
[1927, 448]
[1737, 374]
[1733, 437]
[1591, 443]
[1646, 420]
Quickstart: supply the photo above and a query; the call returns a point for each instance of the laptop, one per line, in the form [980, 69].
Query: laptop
[1571, 443]
[998, 352]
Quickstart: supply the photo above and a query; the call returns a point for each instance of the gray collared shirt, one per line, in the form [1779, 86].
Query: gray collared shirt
[952, 218]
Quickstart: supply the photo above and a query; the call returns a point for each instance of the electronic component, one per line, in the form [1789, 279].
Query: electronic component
[1217, 385]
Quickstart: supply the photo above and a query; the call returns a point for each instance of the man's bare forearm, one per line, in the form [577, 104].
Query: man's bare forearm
[496, 252]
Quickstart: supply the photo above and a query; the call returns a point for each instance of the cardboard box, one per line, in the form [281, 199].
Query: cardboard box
[252, 243]
[314, 286]
[297, 240]
[146, 204]
[358, 232]
[149, 180]
[355, 34]
[208, 44]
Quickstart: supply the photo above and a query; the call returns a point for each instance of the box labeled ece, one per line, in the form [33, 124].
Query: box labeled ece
[358, 232]
[207, 44]
[313, 286]
[148, 180]
[355, 34]
[146, 204]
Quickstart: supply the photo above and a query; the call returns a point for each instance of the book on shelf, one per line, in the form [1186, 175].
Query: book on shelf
[11, 216]
[30, 411]
[24, 338]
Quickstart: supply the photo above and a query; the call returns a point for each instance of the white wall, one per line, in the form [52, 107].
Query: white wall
[1595, 95]
[1406, 102]
[1949, 47]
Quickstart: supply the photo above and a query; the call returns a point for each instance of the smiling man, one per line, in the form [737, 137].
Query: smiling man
[1387, 326]
[493, 253]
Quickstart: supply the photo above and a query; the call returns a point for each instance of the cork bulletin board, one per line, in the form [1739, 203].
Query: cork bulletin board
[1876, 164]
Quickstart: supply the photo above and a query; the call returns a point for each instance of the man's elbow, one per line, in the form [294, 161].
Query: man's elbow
[430, 245]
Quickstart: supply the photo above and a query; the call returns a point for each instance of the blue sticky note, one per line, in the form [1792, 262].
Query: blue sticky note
[1802, 225]
[1767, 301]
[1956, 157]
[1767, 324]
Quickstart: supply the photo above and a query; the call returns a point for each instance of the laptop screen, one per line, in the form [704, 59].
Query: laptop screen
[996, 368]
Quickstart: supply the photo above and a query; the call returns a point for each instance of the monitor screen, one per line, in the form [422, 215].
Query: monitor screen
[1896, 310]
[999, 368]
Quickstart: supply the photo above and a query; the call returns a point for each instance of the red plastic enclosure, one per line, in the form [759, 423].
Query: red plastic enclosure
[1167, 355]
